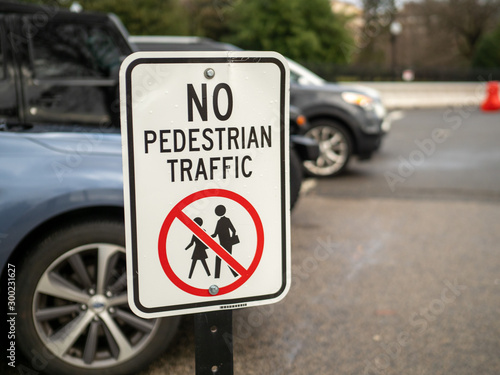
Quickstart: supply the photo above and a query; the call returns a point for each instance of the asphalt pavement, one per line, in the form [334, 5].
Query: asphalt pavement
[395, 263]
[395, 266]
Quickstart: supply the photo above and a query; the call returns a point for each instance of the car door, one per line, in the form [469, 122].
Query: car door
[70, 73]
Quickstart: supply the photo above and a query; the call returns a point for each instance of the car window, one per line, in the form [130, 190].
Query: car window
[8, 97]
[294, 77]
[302, 75]
[73, 51]
[2, 66]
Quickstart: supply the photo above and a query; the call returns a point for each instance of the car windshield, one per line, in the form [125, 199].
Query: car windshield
[303, 76]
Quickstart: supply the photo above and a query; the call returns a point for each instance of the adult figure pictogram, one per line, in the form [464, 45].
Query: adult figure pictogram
[199, 252]
[227, 237]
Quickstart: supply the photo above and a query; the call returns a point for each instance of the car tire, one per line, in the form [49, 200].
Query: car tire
[72, 301]
[295, 177]
[335, 149]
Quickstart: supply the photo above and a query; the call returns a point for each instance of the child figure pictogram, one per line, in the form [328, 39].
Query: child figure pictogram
[199, 252]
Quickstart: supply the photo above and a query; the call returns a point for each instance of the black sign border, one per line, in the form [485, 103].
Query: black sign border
[131, 170]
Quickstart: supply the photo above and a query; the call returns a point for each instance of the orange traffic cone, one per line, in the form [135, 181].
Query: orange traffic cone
[492, 102]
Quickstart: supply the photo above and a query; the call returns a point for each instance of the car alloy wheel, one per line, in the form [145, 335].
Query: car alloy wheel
[334, 147]
[73, 300]
[91, 328]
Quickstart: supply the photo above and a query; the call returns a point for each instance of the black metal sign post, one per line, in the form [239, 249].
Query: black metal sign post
[214, 342]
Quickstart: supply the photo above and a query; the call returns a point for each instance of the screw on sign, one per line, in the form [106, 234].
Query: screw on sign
[224, 232]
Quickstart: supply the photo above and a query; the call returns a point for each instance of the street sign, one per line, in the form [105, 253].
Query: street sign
[206, 180]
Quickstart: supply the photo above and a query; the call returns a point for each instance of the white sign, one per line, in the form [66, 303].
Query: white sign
[206, 180]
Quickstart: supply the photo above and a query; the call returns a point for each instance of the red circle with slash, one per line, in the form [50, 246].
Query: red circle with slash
[177, 213]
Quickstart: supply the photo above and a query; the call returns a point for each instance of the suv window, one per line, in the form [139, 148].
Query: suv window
[63, 50]
[2, 66]
[8, 97]
[70, 73]
[294, 77]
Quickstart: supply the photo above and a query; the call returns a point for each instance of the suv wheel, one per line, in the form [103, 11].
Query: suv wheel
[335, 147]
[74, 309]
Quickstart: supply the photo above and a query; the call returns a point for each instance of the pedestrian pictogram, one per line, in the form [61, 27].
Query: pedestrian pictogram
[220, 242]
[206, 180]
[227, 237]
[199, 253]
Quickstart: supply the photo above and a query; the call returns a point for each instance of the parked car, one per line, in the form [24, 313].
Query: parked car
[344, 120]
[61, 201]
[62, 215]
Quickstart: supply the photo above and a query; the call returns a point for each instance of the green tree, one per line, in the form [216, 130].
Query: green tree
[147, 17]
[301, 30]
[466, 20]
[208, 17]
[488, 51]
[374, 36]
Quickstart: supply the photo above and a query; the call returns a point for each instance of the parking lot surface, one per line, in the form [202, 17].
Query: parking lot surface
[387, 280]
[395, 264]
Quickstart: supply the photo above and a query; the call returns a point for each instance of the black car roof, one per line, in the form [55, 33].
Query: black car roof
[16, 7]
[55, 12]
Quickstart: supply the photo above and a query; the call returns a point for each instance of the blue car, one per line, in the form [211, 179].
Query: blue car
[62, 255]
[62, 235]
